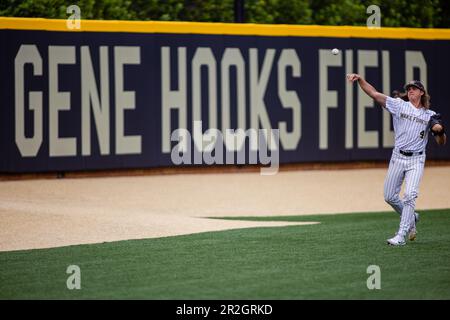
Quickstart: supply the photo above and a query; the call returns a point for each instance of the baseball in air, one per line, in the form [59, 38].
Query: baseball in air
[335, 51]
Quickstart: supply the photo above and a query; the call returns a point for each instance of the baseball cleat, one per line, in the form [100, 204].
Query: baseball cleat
[396, 241]
[413, 231]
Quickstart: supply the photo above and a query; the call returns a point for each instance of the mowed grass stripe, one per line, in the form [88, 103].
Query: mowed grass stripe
[324, 261]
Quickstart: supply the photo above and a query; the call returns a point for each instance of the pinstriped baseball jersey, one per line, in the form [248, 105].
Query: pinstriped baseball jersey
[411, 124]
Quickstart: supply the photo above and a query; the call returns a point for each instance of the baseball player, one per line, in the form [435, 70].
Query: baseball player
[412, 121]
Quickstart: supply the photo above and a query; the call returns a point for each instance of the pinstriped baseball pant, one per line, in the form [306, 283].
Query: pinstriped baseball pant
[408, 169]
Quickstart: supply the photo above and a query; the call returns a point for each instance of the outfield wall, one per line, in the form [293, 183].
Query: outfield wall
[111, 94]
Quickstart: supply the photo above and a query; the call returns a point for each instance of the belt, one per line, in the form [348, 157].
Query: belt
[409, 153]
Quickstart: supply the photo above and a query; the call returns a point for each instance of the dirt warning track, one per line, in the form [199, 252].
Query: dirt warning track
[60, 212]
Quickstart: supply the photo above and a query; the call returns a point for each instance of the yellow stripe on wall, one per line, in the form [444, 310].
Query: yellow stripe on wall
[246, 29]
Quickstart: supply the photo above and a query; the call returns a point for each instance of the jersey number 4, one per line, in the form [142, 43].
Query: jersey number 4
[422, 133]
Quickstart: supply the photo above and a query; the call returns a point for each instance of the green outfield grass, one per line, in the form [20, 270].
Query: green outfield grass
[324, 261]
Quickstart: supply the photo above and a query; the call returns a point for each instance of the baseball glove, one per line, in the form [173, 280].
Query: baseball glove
[436, 119]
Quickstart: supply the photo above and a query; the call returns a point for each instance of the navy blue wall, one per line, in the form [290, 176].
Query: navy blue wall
[146, 80]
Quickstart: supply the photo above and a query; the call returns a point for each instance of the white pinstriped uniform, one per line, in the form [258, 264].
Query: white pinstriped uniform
[411, 127]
